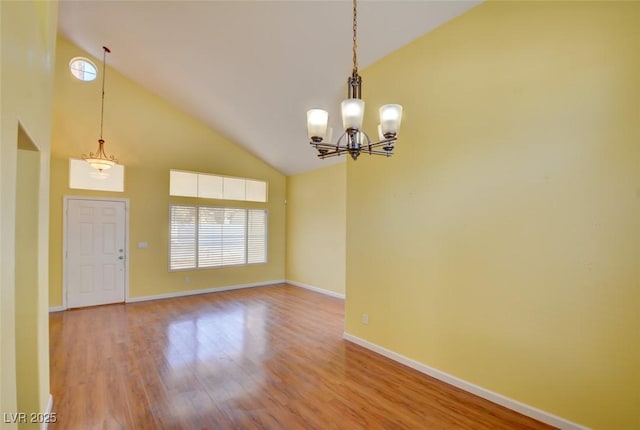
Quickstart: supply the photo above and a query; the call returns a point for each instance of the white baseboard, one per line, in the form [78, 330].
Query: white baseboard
[499, 399]
[316, 289]
[203, 291]
[57, 308]
[47, 413]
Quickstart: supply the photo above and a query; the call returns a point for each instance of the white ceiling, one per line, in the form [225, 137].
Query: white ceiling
[250, 69]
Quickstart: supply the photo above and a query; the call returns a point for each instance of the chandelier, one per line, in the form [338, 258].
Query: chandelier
[100, 160]
[354, 140]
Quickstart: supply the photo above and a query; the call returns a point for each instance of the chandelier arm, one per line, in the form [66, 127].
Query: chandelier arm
[331, 154]
[333, 148]
[364, 147]
[339, 152]
[327, 145]
[383, 142]
[340, 139]
[368, 139]
[369, 145]
[379, 152]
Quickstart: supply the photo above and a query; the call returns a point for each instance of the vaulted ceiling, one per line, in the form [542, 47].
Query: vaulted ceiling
[250, 69]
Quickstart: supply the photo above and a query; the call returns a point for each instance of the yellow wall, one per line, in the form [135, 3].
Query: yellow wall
[26, 295]
[28, 47]
[316, 220]
[501, 244]
[149, 137]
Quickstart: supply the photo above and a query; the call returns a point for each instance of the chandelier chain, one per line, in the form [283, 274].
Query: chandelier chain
[104, 73]
[355, 38]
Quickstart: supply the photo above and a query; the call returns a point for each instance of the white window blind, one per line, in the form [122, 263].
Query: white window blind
[204, 237]
[182, 237]
[257, 236]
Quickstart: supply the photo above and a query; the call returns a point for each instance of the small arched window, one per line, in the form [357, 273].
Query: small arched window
[83, 69]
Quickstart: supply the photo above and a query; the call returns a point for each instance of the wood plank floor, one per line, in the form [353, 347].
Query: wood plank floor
[259, 358]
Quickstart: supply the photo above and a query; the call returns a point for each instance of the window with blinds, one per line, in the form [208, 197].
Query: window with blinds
[202, 237]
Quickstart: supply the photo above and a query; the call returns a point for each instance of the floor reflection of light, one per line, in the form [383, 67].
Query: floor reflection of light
[230, 333]
[213, 347]
[255, 319]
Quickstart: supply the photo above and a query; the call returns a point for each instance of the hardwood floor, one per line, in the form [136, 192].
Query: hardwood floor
[259, 358]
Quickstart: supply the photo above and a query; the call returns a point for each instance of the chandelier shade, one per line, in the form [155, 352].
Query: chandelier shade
[99, 160]
[390, 119]
[317, 120]
[352, 114]
[354, 140]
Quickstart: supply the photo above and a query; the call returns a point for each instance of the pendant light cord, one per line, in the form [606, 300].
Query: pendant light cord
[355, 37]
[104, 74]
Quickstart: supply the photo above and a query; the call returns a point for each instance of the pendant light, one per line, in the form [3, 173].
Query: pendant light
[100, 160]
[354, 140]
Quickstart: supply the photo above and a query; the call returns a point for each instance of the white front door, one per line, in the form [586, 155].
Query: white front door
[95, 243]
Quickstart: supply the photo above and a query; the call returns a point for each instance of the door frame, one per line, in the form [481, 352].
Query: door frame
[65, 211]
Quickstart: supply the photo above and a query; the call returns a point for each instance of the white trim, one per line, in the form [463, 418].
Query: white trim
[316, 289]
[203, 291]
[65, 203]
[57, 308]
[47, 413]
[492, 396]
